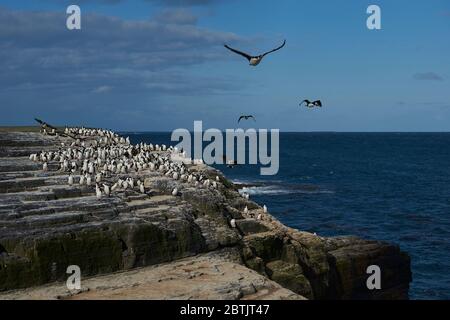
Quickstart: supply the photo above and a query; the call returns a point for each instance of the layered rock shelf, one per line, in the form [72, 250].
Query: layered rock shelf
[197, 243]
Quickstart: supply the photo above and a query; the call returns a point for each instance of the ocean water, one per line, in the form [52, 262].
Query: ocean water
[384, 186]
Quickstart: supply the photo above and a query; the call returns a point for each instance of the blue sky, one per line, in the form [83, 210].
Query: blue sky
[158, 65]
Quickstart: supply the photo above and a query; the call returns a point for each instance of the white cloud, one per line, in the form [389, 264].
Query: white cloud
[102, 89]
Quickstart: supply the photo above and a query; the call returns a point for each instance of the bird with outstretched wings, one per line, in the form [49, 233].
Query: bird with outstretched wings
[311, 104]
[246, 118]
[254, 60]
[44, 124]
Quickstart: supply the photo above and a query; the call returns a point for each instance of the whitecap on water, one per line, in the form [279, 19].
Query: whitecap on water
[278, 189]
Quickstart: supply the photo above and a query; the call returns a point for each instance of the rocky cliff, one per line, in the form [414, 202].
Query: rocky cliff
[46, 225]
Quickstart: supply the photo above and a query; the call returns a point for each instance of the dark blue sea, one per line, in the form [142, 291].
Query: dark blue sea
[383, 186]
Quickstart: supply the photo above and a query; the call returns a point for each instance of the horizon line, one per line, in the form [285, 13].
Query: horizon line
[223, 130]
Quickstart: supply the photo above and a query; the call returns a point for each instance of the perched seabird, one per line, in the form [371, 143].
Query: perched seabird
[97, 161]
[254, 60]
[88, 180]
[246, 118]
[265, 209]
[98, 191]
[107, 190]
[233, 223]
[311, 104]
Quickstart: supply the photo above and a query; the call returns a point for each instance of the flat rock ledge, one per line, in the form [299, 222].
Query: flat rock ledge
[213, 276]
[159, 246]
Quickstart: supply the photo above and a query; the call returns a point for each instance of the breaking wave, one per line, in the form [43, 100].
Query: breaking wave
[278, 189]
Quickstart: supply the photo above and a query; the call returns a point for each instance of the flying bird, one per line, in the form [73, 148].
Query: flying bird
[45, 125]
[254, 60]
[312, 104]
[246, 118]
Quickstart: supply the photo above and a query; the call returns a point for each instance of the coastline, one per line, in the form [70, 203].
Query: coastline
[47, 225]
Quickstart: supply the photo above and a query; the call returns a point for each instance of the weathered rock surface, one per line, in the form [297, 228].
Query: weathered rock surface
[218, 275]
[46, 225]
